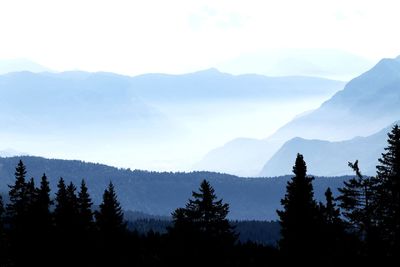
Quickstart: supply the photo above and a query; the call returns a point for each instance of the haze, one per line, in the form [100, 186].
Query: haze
[335, 40]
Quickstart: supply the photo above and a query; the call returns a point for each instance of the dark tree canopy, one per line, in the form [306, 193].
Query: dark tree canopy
[299, 218]
[43, 203]
[358, 202]
[17, 208]
[388, 175]
[85, 213]
[110, 218]
[202, 229]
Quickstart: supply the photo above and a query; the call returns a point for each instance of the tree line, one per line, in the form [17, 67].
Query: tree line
[67, 230]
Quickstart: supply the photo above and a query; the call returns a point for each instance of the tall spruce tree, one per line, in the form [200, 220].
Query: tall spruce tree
[332, 230]
[3, 246]
[85, 208]
[358, 201]
[388, 175]
[43, 203]
[201, 229]
[299, 218]
[17, 208]
[2, 210]
[60, 214]
[110, 218]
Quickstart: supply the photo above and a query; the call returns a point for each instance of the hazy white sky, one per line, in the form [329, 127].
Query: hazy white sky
[174, 36]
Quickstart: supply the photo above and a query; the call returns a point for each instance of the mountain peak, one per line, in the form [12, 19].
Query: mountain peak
[210, 71]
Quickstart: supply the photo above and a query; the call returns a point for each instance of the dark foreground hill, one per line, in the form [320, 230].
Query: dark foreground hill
[160, 193]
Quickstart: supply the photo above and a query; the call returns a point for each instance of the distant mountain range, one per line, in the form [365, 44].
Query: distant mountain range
[365, 106]
[145, 121]
[20, 64]
[159, 193]
[328, 63]
[329, 158]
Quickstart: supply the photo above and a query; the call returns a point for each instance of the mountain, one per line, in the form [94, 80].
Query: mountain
[20, 64]
[330, 158]
[152, 121]
[242, 156]
[366, 105]
[9, 152]
[159, 193]
[213, 84]
[38, 102]
[327, 63]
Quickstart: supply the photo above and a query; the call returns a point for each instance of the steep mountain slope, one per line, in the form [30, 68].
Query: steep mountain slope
[329, 158]
[367, 104]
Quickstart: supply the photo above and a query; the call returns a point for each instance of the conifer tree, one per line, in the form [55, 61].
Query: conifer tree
[3, 246]
[2, 210]
[299, 218]
[332, 228]
[60, 214]
[388, 175]
[358, 201]
[18, 205]
[110, 218]
[330, 212]
[43, 204]
[201, 229]
[85, 208]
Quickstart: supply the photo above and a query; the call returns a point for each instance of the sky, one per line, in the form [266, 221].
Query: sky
[179, 36]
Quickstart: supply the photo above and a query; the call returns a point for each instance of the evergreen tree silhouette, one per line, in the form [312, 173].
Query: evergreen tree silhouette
[2, 210]
[41, 224]
[333, 235]
[85, 213]
[66, 210]
[3, 246]
[18, 206]
[112, 229]
[388, 175]
[43, 203]
[110, 218]
[358, 201]
[60, 214]
[299, 218]
[201, 229]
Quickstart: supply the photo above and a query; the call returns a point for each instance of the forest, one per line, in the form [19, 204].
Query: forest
[361, 222]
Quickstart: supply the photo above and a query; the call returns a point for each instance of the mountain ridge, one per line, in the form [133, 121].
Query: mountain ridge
[353, 111]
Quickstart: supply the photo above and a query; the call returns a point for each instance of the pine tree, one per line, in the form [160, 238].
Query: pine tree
[330, 212]
[388, 175]
[299, 218]
[18, 206]
[3, 246]
[201, 229]
[332, 229]
[60, 213]
[2, 210]
[85, 208]
[359, 204]
[110, 218]
[43, 204]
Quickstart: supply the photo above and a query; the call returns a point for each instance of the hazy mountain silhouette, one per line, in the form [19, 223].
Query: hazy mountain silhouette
[103, 117]
[328, 63]
[329, 158]
[20, 64]
[211, 83]
[366, 105]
